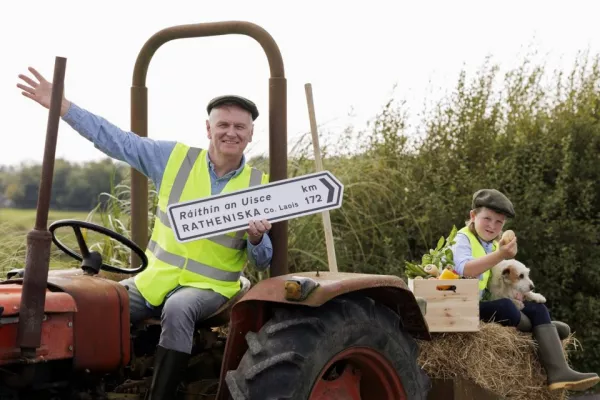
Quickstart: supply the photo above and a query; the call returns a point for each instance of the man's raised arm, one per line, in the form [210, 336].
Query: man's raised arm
[145, 155]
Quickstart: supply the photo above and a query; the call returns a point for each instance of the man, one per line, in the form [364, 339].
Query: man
[184, 282]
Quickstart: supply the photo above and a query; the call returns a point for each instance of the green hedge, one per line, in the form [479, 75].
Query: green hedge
[533, 135]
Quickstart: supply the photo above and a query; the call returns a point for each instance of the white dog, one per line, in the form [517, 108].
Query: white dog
[510, 279]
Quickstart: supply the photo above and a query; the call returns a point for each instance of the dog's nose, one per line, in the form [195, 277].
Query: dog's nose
[531, 287]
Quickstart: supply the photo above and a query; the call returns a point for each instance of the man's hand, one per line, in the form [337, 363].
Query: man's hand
[41, 91]
[256, 230]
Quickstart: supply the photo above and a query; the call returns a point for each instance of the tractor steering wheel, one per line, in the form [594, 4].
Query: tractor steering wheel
[91, 261]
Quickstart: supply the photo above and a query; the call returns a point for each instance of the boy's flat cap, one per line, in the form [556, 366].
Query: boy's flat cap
[494, 200]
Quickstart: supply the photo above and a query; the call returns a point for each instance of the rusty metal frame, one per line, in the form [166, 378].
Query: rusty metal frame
[277, 122]
[39, 239]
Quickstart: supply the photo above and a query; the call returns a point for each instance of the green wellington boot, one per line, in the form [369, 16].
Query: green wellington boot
[560, 375]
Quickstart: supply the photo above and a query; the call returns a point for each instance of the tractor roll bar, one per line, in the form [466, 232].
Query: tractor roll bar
[277, 122]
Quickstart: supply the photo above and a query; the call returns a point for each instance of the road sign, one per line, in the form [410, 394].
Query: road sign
[275, 201]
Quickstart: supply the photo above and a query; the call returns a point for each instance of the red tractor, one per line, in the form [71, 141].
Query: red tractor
[66, 334]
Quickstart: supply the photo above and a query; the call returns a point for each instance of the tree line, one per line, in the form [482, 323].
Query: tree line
[75, 186]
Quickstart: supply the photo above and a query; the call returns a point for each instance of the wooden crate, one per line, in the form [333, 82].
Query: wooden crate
[454, 310]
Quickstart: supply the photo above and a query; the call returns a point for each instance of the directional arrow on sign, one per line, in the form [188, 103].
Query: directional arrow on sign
[276, 201]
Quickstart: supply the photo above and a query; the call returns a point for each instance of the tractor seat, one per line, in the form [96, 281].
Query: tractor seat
[221, 316]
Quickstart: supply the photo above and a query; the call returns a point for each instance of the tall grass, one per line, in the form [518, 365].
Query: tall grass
[14, 226]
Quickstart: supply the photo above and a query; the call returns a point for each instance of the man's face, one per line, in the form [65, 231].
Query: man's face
[229, 129]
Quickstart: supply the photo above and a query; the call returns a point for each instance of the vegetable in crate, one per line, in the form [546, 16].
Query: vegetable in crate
[435, 260]
[432, 270]
[447, 274]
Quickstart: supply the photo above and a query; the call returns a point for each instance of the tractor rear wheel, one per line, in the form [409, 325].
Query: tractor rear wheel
[349, 348]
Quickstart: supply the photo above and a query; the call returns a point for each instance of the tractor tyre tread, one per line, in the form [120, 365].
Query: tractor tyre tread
[288, 353]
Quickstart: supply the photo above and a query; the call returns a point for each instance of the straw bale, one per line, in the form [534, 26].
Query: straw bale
[500, 359]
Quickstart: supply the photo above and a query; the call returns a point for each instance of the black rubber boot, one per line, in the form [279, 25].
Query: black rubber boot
[563, 329]
[560, 375]
[169, 366]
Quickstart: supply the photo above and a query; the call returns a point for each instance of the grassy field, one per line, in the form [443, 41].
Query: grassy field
[16, 223]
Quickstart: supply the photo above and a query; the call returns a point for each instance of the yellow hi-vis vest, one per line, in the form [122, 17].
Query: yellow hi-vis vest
[214, 263]
[479, 251]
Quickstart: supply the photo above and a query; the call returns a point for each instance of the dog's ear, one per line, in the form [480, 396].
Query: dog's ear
[510, 273]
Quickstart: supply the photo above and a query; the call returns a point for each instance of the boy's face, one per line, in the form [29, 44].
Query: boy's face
[488, 223]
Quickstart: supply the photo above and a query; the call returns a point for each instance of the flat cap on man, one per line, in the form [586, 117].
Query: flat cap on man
[243, 102]
[494, 200]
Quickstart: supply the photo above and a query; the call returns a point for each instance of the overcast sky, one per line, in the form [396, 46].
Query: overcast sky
[352, 54]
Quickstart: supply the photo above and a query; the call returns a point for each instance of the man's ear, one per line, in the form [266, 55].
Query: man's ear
[208, 133]
[251, 133]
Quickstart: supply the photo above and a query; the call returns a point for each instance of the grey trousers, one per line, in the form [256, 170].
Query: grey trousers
[178, 314]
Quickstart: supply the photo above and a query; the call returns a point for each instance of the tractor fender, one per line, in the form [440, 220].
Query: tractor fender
[252, 311]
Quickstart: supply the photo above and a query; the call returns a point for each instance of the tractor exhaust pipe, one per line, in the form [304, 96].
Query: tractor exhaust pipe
[39, 239]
